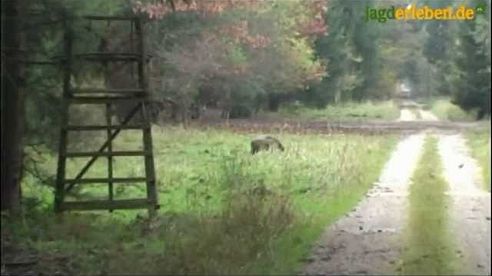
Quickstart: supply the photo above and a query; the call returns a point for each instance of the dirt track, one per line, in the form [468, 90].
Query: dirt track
[369, 239]
[407, 123]
[470, 208]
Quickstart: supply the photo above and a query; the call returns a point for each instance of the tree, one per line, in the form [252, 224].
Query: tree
[472, 83]
[31, 27]
[351, 51]
[338, 51]
[12, 107]
[437, 48]
[243, 51]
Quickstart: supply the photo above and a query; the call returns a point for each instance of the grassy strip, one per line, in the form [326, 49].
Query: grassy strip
[351, 111]
[223, 210]
[479, 143]
[428, 244]
[319, 212]
[445, 110]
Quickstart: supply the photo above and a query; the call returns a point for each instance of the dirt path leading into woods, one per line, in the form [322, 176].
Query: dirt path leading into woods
[407, 115]
[367, 240]
[426, 115]
[411, 111]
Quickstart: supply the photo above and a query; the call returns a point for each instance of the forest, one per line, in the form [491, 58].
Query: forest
[358, 108]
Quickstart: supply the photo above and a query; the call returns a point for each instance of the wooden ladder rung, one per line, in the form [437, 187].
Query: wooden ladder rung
[107, 205]
[107, 91]
[105, 57]
[106, 180]
[104, 99]
[89, 128]
[105, 18]
[110, 57]
[97, 153]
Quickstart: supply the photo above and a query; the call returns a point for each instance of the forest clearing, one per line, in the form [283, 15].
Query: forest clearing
[267, 210]
[244, 137]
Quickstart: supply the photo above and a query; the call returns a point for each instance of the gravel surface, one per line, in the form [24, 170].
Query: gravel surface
[470, 208]
[367, 240]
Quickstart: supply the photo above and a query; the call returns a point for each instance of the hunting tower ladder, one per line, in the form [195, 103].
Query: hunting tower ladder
[106, 97]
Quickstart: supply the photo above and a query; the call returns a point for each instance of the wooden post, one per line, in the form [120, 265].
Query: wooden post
[147, 131]
[62, 147]
[110, 150]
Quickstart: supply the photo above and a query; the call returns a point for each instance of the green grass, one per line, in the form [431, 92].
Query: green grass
[428, 244]
[479, 143]
[223, 211]
[350, 111]
[445, 110]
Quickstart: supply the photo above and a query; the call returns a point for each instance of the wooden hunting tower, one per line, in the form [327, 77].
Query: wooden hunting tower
[106, 98]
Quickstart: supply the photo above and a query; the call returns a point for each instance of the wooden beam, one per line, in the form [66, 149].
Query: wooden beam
[110, 18]
[107, 154]
[95, 128]
[106, 205]
[110, 156]
[104, 99]
[106, 180]
[107, 91]
[106, 57]
[62, 147]
[147, 132]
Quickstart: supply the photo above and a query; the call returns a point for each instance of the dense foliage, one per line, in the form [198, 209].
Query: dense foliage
[236, 58]
[460, 53]
[245, 56]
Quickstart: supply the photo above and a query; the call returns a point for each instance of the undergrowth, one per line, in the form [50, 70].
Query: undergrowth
[223, 211]
[445, 110]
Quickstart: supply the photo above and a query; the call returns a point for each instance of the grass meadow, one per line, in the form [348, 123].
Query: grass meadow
[445, 110]
[344, 112]
[223, 211]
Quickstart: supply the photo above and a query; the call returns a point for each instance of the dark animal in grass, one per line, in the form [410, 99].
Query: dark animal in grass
[265, 142]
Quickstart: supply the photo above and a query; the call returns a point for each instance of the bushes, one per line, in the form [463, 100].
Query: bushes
[445, 110]
[228, 242]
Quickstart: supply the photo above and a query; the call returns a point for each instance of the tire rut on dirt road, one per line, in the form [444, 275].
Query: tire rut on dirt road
[427, 116]
[407, 115]
[470, 206]
[367, 241]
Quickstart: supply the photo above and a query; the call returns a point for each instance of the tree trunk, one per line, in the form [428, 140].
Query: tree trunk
[226, 105]
[183, 112]
[274, 102]
[12, 107]
[338, 96]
